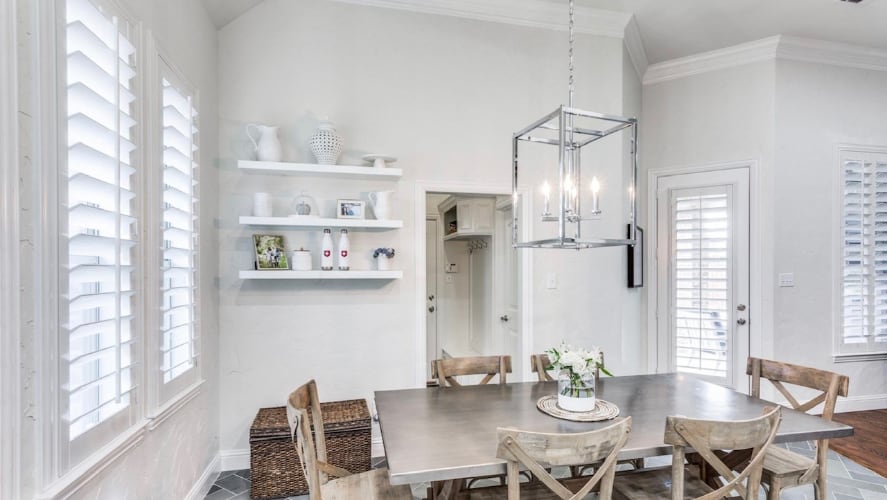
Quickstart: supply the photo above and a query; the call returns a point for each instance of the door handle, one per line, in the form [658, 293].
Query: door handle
[431, 309]
[740, 307]
[431, 297]
[741, 321]
[504, 317]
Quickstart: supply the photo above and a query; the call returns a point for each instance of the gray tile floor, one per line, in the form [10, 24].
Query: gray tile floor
[847, 480]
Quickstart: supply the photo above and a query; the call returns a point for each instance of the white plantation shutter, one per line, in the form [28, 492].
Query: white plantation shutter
[864, 256]
[700, 281]
[101, 221]
[179, 347]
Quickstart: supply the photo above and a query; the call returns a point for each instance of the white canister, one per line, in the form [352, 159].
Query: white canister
[301, 260]
[262, 205]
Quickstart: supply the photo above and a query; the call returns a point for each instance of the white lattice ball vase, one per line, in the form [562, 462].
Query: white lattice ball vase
[326, 144]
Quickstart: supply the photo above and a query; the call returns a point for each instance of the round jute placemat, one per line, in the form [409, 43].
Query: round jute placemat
[603, 410]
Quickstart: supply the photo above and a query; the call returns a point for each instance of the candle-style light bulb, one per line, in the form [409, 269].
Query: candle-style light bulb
[546, 193]
[595, 195]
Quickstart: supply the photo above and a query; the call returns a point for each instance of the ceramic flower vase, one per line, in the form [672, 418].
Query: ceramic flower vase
[383, 263]
[326, 144]
[575, 392]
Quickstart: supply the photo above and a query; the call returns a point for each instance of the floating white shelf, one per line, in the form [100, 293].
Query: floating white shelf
[466, 236]
[321, 275]
[320, 222]
[340, 171]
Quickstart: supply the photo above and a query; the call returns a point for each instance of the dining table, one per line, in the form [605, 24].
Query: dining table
[446, 433]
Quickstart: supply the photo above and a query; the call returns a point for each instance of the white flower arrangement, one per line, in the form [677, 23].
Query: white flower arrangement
[578, 363]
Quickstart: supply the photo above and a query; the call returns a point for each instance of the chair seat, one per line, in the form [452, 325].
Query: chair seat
[370, 485]
[781, 463]
[656, 484]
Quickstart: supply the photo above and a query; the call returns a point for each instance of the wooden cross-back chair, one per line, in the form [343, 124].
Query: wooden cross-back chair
[538, 452]
[705, 437]
[311, 450]
[540, 363]
[783, 468]
[489, 366]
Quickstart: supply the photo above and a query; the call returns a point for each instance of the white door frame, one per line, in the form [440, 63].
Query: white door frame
[422, 189]
[756, 324]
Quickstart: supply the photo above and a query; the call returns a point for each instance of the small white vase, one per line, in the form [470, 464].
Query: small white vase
[383, 263]
[267, 145]
[326, 144]
[577, 396]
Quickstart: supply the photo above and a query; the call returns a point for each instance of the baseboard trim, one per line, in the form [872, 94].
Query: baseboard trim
[234, 459]
[205, 481]
[862, 403]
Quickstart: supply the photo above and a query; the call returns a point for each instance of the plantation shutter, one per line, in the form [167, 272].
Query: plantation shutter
[864, 259]
[701, 229]
[179, 350]
[101, 221]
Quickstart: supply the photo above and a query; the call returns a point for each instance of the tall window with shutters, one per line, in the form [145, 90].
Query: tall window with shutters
[864, 252]
[180, 236]
[99, 220]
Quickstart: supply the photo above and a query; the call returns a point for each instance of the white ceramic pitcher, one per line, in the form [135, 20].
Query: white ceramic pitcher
[268, 146]
[381, 201]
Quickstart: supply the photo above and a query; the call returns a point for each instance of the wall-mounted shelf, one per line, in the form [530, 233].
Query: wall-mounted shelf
[339, 171]
[320, 222]
[465, 236]
[321, 275]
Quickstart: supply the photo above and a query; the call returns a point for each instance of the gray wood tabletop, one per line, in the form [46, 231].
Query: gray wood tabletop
[437, 434]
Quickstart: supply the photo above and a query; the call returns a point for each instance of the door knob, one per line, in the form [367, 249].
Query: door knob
[740, 321]
[504, 317]
[431, 309]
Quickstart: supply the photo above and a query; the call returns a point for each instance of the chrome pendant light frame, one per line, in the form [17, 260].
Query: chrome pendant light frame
[562, 128]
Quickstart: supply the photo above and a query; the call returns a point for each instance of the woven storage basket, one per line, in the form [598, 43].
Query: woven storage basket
[274, 466]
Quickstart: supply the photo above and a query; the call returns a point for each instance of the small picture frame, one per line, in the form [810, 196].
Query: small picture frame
[350, 209]
[636, 260]
[270, 252]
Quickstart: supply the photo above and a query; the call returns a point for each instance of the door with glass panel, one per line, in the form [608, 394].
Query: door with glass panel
[702, 247]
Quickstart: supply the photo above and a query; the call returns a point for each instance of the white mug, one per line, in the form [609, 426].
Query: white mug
[262, 205]
[381, 201]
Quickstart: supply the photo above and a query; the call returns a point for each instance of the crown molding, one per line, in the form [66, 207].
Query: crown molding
[737, 55]
[530, 13]
[635, 46]
[776, 47]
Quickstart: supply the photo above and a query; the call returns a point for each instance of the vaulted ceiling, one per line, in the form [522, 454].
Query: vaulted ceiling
[676, 28]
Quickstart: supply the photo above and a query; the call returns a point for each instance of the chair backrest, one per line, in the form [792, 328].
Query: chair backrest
[538, 451]
[303, 409]
[445, 369]
[541, 363]
[706, 436]
[831, 384]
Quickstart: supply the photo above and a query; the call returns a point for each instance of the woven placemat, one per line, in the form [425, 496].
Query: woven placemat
[603, 410]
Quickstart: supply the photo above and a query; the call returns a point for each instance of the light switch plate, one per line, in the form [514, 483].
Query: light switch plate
[551, 281]
[786, 279]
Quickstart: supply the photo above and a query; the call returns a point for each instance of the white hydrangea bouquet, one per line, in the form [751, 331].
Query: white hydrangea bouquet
[576, 368]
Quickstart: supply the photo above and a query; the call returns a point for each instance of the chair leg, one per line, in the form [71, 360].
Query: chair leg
[773, 492]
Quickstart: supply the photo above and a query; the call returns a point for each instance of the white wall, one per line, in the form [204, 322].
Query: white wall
[444, 95]
[171, 458]
[817, 108]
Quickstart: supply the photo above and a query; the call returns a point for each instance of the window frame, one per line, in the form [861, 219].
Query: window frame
[842, 351]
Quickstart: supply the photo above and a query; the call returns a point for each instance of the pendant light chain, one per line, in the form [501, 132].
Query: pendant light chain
[572, 39]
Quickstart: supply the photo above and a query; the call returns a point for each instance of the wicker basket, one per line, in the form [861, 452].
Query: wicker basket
[274, 465]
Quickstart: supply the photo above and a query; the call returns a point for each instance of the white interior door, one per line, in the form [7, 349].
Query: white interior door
[431, 269]
[507, 314]
[702, 261]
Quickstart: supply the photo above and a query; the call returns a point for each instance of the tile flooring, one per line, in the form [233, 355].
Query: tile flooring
[847, 480]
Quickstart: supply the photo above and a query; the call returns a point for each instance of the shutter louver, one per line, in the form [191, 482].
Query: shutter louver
[864, 257]
[179, 232]
[701, 284]
[101, 223]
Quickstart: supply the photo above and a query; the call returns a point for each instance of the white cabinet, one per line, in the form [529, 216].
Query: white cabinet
[466, 217]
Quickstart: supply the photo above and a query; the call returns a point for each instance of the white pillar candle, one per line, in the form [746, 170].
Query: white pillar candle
[262, 205]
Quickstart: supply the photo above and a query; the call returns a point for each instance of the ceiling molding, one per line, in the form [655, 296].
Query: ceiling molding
[772, 48]
[833, 53]
[635, 46]
[530, 13]
[737, 55]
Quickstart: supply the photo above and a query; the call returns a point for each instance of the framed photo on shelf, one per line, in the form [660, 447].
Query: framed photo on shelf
[349, 209]
[270, 252]
[636, 261]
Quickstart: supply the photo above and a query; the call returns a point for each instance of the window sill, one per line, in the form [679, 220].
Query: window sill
[172, 406]
[81, 474]
[859, 357]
